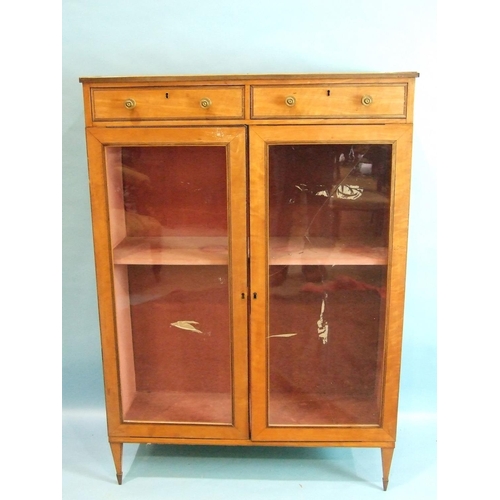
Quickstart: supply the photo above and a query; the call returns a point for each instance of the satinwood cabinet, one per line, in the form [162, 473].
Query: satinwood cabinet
[250, 238]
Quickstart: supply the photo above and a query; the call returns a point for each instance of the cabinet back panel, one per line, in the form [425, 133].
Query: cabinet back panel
[315, 382]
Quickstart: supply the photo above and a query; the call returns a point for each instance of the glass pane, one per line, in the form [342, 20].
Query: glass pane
[170, 240]
[328, 226]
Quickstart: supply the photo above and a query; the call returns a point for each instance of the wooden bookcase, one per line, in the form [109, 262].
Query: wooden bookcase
[250, 238]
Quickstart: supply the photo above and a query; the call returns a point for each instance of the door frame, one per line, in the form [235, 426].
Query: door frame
[260, 138]
[234, 139]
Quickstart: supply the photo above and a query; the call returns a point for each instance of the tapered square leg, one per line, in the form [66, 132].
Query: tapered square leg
[386, 465]
[117, 452]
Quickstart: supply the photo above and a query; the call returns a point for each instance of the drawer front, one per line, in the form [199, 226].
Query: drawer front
[167, 103]
[330, 101]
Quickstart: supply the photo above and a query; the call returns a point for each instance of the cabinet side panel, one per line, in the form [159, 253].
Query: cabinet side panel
[115, 194]
[124, 330]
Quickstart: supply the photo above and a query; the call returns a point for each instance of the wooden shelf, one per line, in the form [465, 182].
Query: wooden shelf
[181, 407]
[322, 410]
[316, 251]
[172, 250]
[213, 250]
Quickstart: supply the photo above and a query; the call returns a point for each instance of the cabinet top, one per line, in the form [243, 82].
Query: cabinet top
[314, 76]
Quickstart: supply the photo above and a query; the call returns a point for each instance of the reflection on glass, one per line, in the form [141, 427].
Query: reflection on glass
[170, 247]
[328, 226]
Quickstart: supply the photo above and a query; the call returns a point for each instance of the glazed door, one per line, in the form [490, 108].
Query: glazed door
[175, 253]
[329, 208]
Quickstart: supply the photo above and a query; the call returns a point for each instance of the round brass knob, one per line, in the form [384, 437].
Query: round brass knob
[130, 103]
[366, 100]
[290, 101]
[205, 103]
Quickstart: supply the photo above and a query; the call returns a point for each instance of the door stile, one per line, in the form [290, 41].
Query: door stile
[238, 265]
[258, 280]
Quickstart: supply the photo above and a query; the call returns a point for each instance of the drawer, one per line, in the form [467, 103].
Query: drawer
[167, 103]
[329, 101]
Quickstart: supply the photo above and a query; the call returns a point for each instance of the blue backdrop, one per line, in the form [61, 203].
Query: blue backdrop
[153, 37]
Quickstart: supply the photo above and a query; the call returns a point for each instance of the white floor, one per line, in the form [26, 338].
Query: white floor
[216, 472]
